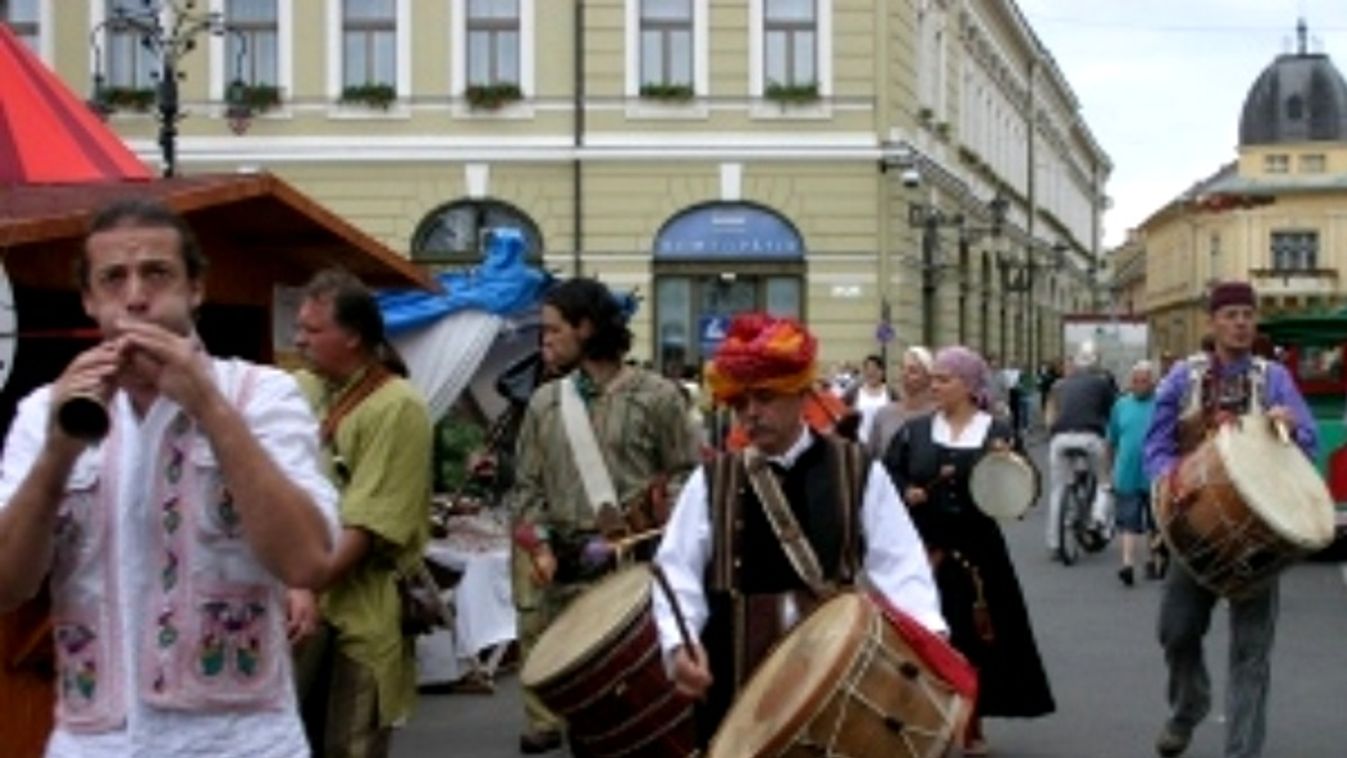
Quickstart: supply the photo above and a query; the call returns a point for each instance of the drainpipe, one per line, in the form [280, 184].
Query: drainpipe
[577, 172]
[1031, 218]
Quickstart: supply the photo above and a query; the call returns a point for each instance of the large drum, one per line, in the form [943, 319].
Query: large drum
[1004, 485]
[599, 666]
[1244, 505]
[852, 680]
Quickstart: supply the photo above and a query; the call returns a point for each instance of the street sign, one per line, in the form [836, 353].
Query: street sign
[712, 329]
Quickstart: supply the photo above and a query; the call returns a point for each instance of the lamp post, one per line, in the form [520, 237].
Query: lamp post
[1019, 276]
[930, 220]
[169, 42]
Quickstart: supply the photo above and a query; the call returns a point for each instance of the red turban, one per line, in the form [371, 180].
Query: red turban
[763, 352]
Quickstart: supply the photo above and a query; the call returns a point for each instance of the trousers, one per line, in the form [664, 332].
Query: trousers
[1060, 474]
[1185, 617]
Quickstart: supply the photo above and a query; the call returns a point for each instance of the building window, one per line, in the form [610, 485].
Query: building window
[790, 32]
[369, 42]
[21, 16]
[454, 234]
[1276, 164]
[1295, 251]
[1314, 163]
[666, 43]
[252, 47]
[493, 42]
[131, 65]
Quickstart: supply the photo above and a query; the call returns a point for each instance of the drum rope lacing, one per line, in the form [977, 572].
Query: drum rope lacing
[873, 647]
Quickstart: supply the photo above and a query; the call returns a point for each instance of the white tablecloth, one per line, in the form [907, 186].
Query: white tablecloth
[484, 614]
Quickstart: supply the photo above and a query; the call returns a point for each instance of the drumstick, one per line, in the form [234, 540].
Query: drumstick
[1283, 433]
[626, 543]
[663, 582]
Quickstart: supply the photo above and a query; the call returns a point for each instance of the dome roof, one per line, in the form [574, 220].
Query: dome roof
[1300, 97]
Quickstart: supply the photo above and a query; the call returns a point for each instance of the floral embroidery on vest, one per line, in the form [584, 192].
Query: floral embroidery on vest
[232, 630]
[169, 490]
[79, 664]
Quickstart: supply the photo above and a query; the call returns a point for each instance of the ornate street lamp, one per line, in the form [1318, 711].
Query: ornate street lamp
[930, 220]
[169, 42]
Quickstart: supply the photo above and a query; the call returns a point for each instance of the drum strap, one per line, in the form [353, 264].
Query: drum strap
[784, 524]
[851, 472]
[598, 483]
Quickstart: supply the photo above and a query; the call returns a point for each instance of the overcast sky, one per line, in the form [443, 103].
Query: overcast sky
[1162, 82]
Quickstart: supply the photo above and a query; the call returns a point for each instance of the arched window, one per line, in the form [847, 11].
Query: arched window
[452, 234]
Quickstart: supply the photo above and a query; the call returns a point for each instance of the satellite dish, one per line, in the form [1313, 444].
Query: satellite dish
[9, 328]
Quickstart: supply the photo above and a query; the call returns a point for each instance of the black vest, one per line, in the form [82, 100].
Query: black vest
[749, 569]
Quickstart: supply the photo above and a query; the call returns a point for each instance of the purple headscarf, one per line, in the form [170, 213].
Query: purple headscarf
[967, 366]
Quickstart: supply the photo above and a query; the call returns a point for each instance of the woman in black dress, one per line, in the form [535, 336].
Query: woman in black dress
[930, 460]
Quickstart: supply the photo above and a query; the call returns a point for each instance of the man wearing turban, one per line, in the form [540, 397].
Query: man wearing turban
[739, 587]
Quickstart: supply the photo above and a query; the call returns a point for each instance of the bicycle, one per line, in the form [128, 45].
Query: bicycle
[1076, 530]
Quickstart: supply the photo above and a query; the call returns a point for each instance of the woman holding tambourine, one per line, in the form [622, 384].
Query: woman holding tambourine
[930, 461]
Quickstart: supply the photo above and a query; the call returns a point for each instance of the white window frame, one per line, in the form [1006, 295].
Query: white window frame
[756, 74]
[403, 85]
[46, 45]
[458, 63]
[97, 15]
[701, 88]
[221, 71]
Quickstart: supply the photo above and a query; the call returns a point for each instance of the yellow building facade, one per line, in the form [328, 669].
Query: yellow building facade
[830, 159]
[1274, 216]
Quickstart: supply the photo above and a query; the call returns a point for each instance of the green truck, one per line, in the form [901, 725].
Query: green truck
[1313, 346]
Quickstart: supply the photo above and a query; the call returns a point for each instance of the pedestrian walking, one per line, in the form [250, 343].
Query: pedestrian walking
[356, 663]
[1200, 393]
[1127, 426]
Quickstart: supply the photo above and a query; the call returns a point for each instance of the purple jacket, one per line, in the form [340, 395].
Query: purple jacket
[1162, 440]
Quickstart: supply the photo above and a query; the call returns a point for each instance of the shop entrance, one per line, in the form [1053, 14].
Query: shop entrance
[713, 262]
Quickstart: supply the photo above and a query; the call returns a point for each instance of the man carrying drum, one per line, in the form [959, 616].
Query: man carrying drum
[745, 566]
[1197, 396]
[600, 448]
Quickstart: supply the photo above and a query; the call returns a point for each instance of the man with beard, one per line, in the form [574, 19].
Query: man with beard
[637, 421]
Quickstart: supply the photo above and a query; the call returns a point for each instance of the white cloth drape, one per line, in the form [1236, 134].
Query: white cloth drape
[444, 356]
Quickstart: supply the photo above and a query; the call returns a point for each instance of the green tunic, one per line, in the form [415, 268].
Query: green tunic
[384, 445]
[641, 425]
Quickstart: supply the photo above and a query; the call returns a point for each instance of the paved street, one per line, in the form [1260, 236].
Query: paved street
[1098, 642]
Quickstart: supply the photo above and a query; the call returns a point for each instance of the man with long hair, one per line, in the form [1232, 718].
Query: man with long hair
[645, 446]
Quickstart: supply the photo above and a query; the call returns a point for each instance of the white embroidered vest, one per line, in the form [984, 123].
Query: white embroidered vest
[214, 636]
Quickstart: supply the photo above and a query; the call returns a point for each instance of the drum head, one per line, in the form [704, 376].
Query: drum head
[1277, 482]
[1003, 485]
[592, 619]
[801, 671]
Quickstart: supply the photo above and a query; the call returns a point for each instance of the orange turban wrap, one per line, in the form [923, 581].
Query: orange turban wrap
[763, 352]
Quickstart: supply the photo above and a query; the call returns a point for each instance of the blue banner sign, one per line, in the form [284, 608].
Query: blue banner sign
[729, 231]
[712, 329]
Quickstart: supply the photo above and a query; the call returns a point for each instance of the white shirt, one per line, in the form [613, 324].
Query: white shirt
[895, 561]
[868, 402]
[973, 434]
[283, 423]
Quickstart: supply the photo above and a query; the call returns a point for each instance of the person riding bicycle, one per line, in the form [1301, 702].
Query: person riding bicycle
[1081, 403]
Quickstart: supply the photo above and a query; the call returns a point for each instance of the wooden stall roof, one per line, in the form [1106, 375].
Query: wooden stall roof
[251, 225]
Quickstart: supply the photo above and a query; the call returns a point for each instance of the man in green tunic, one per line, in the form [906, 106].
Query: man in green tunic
[644, 440]
[358, 673]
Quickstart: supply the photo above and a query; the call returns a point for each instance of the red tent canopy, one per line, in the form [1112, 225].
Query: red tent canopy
[47, 134]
